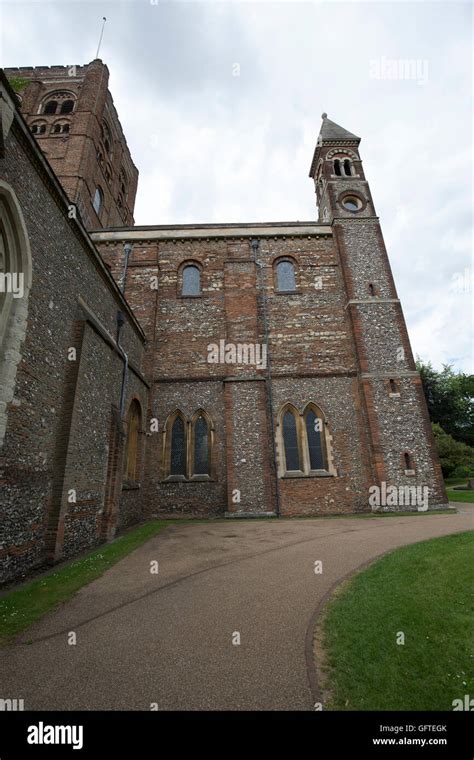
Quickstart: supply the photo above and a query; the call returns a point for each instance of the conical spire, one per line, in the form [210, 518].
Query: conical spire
[332, 131]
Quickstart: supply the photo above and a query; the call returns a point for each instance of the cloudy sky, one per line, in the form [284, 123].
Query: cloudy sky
[221, 104]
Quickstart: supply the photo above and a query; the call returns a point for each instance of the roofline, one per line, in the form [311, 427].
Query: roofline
[214, 231]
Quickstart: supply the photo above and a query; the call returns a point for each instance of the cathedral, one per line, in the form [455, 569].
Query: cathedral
[199, 370]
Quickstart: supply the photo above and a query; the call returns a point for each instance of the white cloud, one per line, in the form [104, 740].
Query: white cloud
[214, 147]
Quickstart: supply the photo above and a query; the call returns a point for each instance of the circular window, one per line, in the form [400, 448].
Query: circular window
[351, 203]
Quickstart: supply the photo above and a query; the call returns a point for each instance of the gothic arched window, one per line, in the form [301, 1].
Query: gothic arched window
[191, 281]
[315, 439]
[201, 441]
[178, 457]
[16, 270]
[188, 447]
[285, 276]
[304, 442]
[132, 444]
[290, 441]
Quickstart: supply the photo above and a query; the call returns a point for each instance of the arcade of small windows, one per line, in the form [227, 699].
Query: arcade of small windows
[60, 103]
[38, 129]
[188, 447]
[343, 167]
[284, 276]
[60, 129]
[304, 442]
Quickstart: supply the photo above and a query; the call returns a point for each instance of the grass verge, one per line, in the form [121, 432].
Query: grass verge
[465, 496]
[426, 592]
[21, 607]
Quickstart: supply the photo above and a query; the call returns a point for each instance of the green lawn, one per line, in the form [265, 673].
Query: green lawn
[425, 591]
[20, 608]
[466, 496]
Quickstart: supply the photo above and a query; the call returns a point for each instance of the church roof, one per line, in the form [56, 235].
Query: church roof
[332, 131]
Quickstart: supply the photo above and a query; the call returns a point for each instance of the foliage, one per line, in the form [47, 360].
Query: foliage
[450, 399]
[456, 458]
[17, 84]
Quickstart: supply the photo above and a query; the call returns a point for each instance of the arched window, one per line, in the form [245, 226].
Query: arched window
[371, 289]
[201, 435]
[67, 106]
[304, 442]
[409, 464]
[38, 129]
[347, 167]
[60, 128]
[51, 107]
[98, 200]
[58, 102]
[315, 438]
[191, 281]
[16, 267]
[188, 446]
[285, 272]
[132, 447]
[337, 167]
[178, 458]
[290, 441]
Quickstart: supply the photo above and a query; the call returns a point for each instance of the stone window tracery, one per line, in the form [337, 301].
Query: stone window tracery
[304, 442]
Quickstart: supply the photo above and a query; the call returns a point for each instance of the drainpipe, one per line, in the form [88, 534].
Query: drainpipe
[268, 380]
[127, 249]
[120, 324]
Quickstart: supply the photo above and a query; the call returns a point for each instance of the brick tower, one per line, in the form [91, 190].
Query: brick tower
[70, 111]
[403, 451]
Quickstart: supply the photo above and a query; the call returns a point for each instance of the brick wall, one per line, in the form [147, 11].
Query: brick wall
[58, 429]
[74, 156]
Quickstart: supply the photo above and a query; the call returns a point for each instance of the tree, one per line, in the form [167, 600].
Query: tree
[450, 399]
[456, 458]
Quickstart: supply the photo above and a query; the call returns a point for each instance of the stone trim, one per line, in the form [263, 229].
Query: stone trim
[374, 300]
[199, 232]
[13, 315]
